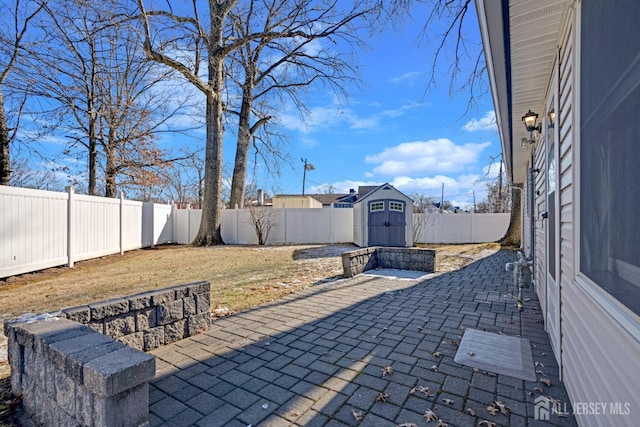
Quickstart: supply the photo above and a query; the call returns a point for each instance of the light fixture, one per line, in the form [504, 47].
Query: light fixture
[529, 120]
[552, 119]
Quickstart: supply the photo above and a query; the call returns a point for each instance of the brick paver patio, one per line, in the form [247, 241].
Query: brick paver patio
[315, 358]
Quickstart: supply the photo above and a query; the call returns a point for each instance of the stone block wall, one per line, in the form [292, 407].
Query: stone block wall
[416, 259]
[361, 260]
[70, 375]
[358, 261]
[151, 319]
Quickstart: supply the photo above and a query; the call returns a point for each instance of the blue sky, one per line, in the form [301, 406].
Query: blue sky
[392, 129]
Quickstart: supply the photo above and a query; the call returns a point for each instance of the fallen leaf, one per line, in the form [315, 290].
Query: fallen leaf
[436, 353]
[476, 370]
[357, 414]
[425, 391]
[540, 372]
[434, 368]
[486, 423]
[489, 374]
[493, 410]
[455, 343]
[503, 407]
[471, 412]
[539, 390]
[546, 381]
[430, 416]
[471, 353]
[448, 401]
[412, 391]
[407, 425]
[441, 423]
[382, 397]
[539, 364]
[387, 370]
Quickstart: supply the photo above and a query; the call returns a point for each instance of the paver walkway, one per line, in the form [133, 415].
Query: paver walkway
[315, 358]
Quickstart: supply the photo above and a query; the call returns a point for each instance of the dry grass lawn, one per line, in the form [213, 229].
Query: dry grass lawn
[241, 277]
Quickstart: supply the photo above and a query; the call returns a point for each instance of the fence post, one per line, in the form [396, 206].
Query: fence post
[121, 223]
[174, 223]
[332, 224]
[70, 222]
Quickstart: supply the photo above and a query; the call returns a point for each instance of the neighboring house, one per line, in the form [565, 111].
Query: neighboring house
[317, 200]
[576, 64]
[383, 216]
[295, 201]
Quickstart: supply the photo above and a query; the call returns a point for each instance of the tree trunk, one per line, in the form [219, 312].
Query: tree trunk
[239, 179]
[513, 235]
[110, 175]
[209, 232]
[5, 159]
[93, 156]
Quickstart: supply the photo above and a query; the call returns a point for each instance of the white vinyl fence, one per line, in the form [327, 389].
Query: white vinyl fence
[42, 229]
[292, 225]
[459, 228]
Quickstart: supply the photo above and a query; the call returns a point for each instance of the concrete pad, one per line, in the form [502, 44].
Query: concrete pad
[500, 354]
[393, 273]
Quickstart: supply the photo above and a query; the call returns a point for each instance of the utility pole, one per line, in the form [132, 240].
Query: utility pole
[307, 167]
[474, 201]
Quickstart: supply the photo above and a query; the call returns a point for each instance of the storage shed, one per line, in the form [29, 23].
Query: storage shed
[383, 217]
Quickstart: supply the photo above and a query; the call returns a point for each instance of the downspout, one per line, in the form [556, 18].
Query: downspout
[532, 224]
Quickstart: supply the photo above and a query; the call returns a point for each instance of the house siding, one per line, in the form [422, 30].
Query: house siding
[540, 206]
[599, 358]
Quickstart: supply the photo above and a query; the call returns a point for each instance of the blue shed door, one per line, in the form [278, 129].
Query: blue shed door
[387, 223]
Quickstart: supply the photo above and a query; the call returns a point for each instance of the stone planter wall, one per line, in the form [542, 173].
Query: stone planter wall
[361, 260]
[70, 375]
[83, 366]
[151, 319]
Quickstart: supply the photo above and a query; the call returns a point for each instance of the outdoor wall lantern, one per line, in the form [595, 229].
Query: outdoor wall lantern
[552, 119]
[529, 120]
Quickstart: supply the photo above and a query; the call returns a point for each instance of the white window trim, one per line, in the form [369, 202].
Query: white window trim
[376, 204]
[621, 314]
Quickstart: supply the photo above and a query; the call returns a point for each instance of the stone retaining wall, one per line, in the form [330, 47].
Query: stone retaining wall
[83, 366]
[361, 260]
[151, 319]
[70, 375]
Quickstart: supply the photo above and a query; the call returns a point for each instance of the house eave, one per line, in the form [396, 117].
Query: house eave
[520, 39]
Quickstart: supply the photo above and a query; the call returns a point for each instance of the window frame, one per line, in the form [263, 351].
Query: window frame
[620, 313]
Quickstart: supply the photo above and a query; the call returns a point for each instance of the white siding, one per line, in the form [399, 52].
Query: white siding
[540, 206]
[600, 359]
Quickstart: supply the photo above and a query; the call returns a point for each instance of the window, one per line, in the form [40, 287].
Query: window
[396, 206]
[609, 150]
[376, 206]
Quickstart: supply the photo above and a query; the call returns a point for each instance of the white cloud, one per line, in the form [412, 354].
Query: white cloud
[426, 157]
[409, 77]
[488, 122]
[323, 117]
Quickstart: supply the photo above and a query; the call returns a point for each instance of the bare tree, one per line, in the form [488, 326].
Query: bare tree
[104, 92]
[25, 175]
[187, 30]
[464, 56]
[262, 219]
[285, 59]
[17, 16]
